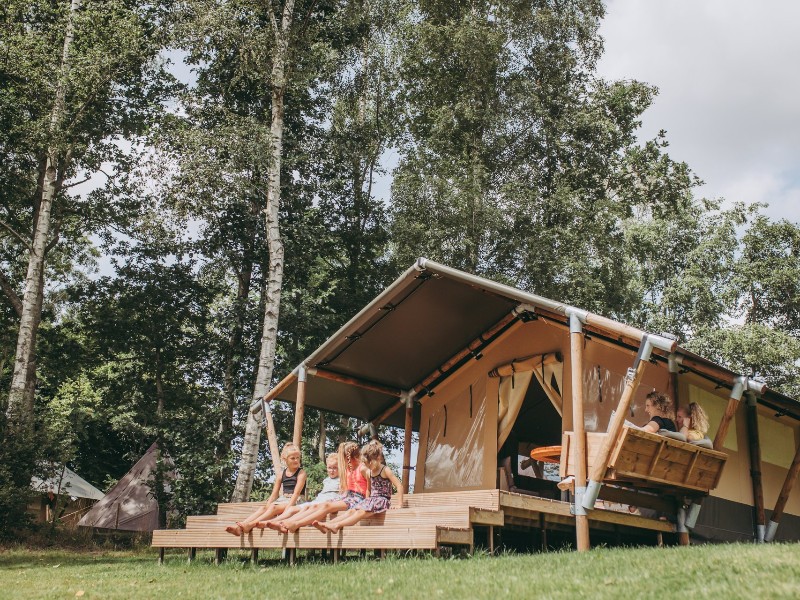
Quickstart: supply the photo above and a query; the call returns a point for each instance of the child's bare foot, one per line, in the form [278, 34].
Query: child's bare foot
[234, 530]
[246, 527]
[320, 525]
[332, 528]
[273, 525]
[262, 524]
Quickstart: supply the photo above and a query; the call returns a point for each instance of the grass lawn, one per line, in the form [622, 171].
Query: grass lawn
[729, 571]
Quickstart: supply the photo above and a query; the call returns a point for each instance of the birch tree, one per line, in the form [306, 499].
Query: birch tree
[62, 121]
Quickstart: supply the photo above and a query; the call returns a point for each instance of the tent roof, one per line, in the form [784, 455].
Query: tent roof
[429, 315]
[70, 483]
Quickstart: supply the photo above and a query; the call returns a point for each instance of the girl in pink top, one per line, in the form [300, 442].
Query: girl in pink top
[380, 500]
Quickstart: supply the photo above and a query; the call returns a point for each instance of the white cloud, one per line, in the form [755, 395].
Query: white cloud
[728, 89]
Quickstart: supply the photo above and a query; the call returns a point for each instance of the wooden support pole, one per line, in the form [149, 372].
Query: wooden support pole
[359, 383]
[727, 417]
[191, 554]
[576, 354]
[755, 466]
[783, 497]
[254, 556]
[299, 407]
[632, 381]
[409, 424]
[161, 556]
[219, 555]
[272, 438]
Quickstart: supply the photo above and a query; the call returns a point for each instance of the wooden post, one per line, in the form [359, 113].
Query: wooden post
[755, 466]
[739, 385]
[409, 425]
[219, 555]
[783, 497]
[272, 437]
[576, 353]
[632, 380]
[191, 554]
[161, 556]
[299, 406]
[730, 410]
[254, 556]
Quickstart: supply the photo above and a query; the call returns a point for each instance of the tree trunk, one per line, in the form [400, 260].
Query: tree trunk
[233, 358]
[20, 398]
[322, 438]
[266, 359]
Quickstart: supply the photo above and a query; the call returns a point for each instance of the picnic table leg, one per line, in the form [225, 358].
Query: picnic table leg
[161, 556]
[190, 554]
[254, 555]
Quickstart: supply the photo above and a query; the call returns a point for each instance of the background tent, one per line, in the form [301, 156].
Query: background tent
[66, 492]
[130, 504]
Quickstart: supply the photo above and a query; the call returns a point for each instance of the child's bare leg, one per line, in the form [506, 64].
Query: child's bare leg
[275, 509]
[351, 517]
[304, 519]
[273, 522]
[239, 527]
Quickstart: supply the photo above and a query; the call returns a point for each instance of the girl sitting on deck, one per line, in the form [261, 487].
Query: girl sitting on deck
[381, 481]
[661, 411]
[354, 487]
[292, 482]
[693, 421]
[329, 493]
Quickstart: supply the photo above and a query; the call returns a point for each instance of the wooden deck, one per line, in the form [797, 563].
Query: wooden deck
[431, 520]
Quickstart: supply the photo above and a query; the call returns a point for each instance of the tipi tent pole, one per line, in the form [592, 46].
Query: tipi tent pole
[783, 497]
[755, 465]
[576, 368]
[299, 406]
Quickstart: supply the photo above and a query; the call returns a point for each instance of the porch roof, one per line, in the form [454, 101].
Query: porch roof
[427, 317]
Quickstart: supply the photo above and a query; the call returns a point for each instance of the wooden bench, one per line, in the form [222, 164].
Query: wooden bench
[429, 521]
[650, 461]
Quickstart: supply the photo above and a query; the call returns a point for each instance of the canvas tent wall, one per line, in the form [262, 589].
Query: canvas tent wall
[129, 505]
[434, 335]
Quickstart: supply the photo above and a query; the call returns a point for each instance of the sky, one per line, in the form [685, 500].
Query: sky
[729, 90]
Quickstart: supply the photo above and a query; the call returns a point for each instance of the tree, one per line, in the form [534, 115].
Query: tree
[107, 84]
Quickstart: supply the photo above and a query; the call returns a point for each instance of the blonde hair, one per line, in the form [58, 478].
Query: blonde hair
[373, 451]
[288, 449]
[662, 403]
[331, 456]
[698, 419]
[347, 451]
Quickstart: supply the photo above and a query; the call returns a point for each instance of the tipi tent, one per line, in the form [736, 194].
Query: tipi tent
[130, 504]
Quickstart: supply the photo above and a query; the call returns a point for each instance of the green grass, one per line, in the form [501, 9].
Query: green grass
[730, 571]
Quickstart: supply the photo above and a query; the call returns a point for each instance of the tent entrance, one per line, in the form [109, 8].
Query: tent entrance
[529, 417]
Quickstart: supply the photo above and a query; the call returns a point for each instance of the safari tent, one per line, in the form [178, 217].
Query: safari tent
[64, 495]
[511, 392]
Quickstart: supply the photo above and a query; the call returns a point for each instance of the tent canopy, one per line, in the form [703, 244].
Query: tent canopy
[68, 483]
[429, 315]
